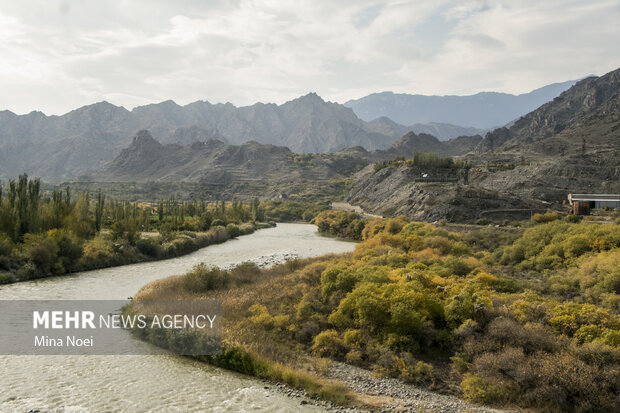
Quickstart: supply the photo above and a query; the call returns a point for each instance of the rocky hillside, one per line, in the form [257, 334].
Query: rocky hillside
[80, 142]
[431, 194]
[571, 144]
[483, 110]
[58, 148]
[251, 169]
[212, 160]
[588, 102]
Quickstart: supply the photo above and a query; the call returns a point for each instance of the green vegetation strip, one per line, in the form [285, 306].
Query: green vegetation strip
[58, 232]
[526, 319]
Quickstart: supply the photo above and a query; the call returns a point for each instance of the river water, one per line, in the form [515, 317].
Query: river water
[149, 383]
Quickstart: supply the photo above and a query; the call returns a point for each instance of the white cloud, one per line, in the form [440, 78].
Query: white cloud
[55, 56]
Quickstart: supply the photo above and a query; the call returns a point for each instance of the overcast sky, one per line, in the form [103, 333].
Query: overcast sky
[58, 55]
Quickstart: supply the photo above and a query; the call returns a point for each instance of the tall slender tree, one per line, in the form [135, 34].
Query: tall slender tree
[99, 206]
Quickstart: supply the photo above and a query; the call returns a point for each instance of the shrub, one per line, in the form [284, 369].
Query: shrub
[412, 371]
[203, 278]
[304, 309]
[337, 278]
[340, 223]
[246, 228]
[218, 223]
[42, 252]
[6, 245]
[354, 357]
[232, 230]
[557, 244]
[353, 338]
[97, 252]
[479, 390]
[150, 247]
[546, 217]
[6, 278]
[307, 331]
[261, 316]
[328, 344]
[244, 273]
[458, 267]
[489, 239]
[216, 235]
[125, 229]
[412, 288]
[6, 251]
[284, 211]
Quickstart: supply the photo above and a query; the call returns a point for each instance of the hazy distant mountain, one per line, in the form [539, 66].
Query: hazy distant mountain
[82, 141]
[442, 131]
[484, 110]
[406, 145]
[445, 131]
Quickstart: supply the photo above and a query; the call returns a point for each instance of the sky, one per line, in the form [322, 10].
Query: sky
[56, 56]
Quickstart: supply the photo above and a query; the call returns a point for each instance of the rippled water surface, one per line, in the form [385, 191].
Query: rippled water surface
[148, 383]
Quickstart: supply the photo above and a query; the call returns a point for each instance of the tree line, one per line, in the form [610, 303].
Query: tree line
[60, 231]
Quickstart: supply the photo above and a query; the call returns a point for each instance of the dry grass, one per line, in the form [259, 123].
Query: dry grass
[252, 350]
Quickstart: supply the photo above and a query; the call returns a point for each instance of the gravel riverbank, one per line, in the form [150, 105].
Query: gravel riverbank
[396, 396]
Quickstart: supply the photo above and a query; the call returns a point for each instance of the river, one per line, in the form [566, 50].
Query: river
[148, 383]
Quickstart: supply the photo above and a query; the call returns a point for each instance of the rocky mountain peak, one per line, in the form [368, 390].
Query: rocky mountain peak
[582, 100]
[312, 96]
[311, 99]
[144, 139]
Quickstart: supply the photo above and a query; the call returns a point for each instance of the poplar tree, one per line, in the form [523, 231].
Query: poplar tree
[99, 210]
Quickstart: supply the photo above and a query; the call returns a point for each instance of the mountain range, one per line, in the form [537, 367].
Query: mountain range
[581, 115]
[82, 141]
[58, 148]
[571, 144]
[483, 111]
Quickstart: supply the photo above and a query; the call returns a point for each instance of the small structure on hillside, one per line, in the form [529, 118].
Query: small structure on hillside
[583, 203]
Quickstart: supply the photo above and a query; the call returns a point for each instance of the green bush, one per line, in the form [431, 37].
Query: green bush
[150, 247]
[203, 278]
[340, 223]
[218, 223]
[546, 217]
[557, 244]
[328, 344]
[6, 245]
[6, 278]
[246, 228]
[42, 252]
[232, 230]
[337, 278]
